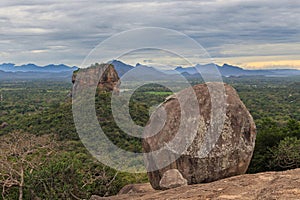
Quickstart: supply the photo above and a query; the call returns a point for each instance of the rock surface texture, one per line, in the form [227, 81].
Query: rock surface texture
[269, 185]
[108, 82]
[172, 179]
[232, 150]
[134, 188]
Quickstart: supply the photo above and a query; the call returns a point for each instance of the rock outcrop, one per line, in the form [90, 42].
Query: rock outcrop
[268, 185]
[172, 179]
[232, 151]
[108, 82]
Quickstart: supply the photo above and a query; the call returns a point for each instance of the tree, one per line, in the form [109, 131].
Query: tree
[287, 154]
[19, 153]
[70, 175]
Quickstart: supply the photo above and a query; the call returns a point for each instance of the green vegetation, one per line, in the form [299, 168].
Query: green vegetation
[42, 111]
[286, 155]
[275, 107]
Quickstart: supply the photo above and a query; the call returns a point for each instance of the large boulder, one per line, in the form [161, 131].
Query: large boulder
[231, 153]
[108, 82]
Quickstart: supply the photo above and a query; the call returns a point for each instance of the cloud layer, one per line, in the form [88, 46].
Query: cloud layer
[236, 31]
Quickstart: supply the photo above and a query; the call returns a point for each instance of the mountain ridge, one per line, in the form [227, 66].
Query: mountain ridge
[30, 67]
[122, 68]
[231, 70]
[226, 70]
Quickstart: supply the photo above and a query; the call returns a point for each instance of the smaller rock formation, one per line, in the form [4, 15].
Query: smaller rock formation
[172, 179]
[108, 82]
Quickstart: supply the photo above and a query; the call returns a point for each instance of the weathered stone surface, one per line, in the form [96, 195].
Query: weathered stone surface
[108, 82]
[172, 179]
[95, 197]
[269, 185]
[231, 154]
[135, 188]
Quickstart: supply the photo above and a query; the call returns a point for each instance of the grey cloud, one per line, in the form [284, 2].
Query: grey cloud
[79, 26]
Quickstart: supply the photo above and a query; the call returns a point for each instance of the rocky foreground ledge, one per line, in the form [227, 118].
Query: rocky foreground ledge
[269, 185]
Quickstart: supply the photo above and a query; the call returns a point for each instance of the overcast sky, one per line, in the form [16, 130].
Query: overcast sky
[251, 34]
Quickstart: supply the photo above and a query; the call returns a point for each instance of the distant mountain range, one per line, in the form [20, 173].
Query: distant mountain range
[225, 70]
[62, 76]
[229, 70]
[141, 72]
[10, 67]
[9, 71]
[121, 67]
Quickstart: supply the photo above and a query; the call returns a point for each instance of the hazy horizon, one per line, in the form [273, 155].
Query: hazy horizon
[145, 64]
